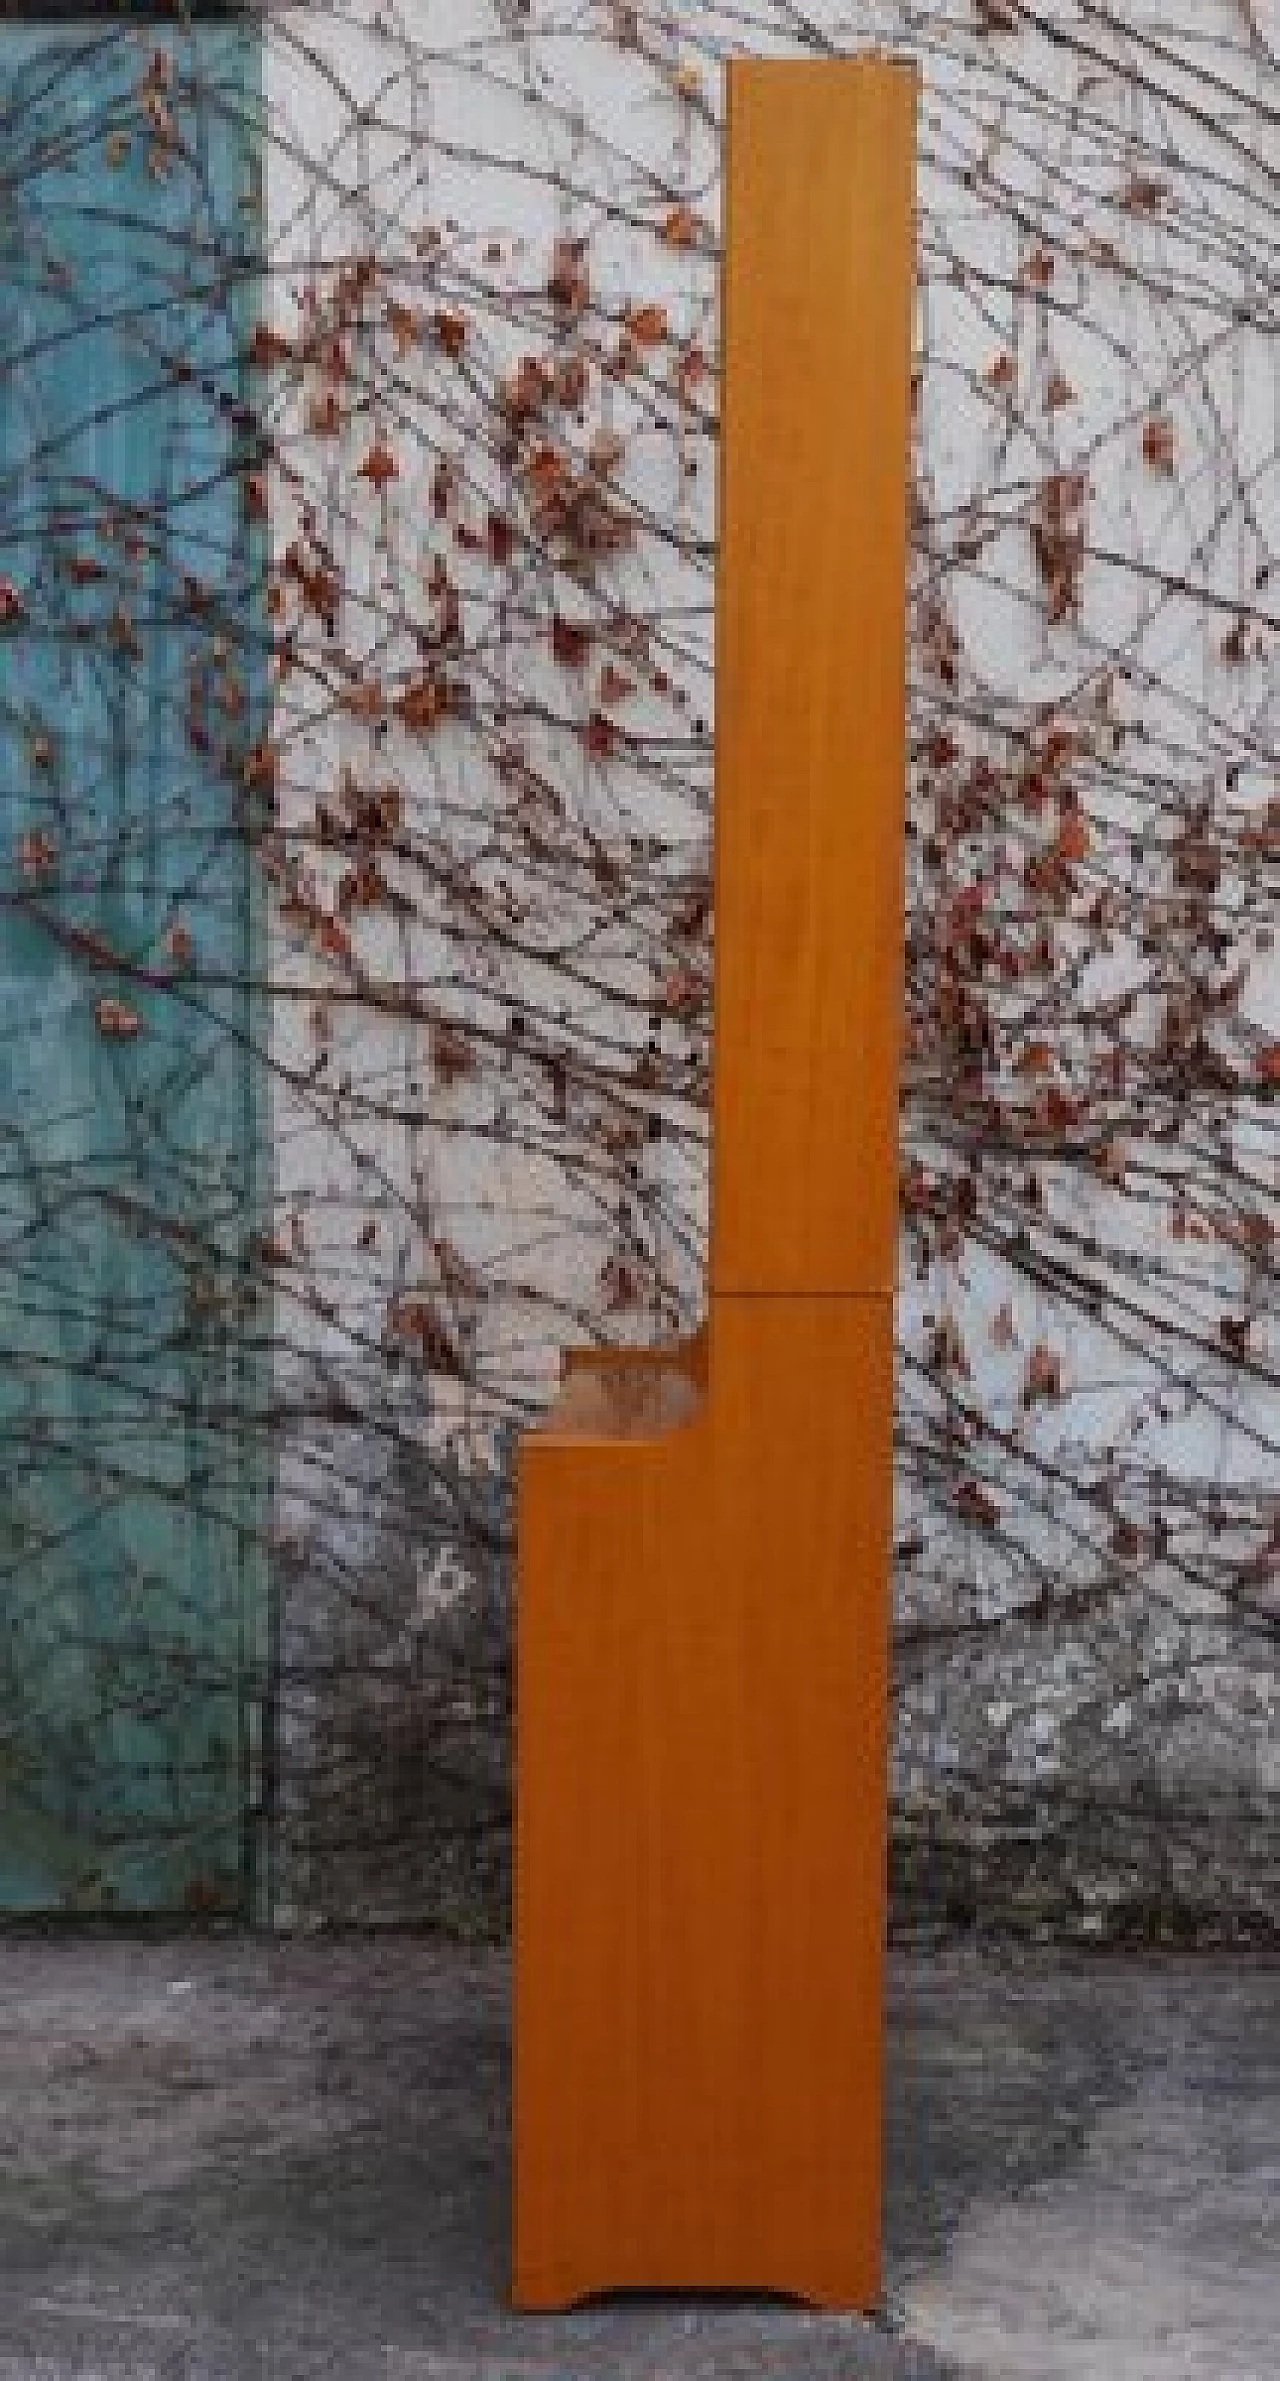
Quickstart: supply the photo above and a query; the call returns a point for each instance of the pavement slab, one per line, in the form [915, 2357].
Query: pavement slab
[229, 2157]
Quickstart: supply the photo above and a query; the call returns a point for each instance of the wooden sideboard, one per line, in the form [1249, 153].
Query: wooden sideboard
[703, 1530]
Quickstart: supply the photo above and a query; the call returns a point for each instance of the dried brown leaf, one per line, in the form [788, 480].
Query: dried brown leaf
[1159, 445]
[116, 1020]
[647, 325]
[680, 228]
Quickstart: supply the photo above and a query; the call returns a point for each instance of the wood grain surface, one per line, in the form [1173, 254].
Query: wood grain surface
[703, 1530]
[810, 675]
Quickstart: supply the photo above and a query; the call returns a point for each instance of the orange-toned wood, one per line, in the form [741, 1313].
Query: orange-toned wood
[689, 1355]
[703, 1530]
[701, 1694]
[810, 672]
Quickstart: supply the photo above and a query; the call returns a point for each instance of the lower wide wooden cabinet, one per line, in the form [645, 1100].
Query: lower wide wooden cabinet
[700, 1850]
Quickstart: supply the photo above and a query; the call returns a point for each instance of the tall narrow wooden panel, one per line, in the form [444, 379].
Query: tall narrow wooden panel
[703, 1531]
[809, 676]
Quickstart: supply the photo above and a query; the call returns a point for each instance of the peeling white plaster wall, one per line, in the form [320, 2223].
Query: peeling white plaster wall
[479, 124]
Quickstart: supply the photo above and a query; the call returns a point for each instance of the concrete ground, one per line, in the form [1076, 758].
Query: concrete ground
[227, 2158]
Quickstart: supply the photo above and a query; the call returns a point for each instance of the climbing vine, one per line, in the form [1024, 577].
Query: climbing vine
[473, 428]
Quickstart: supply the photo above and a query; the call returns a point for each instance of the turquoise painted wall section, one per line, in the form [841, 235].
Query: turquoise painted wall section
[133, 1140]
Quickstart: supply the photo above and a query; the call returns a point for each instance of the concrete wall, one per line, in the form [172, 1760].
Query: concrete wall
[495, 238]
